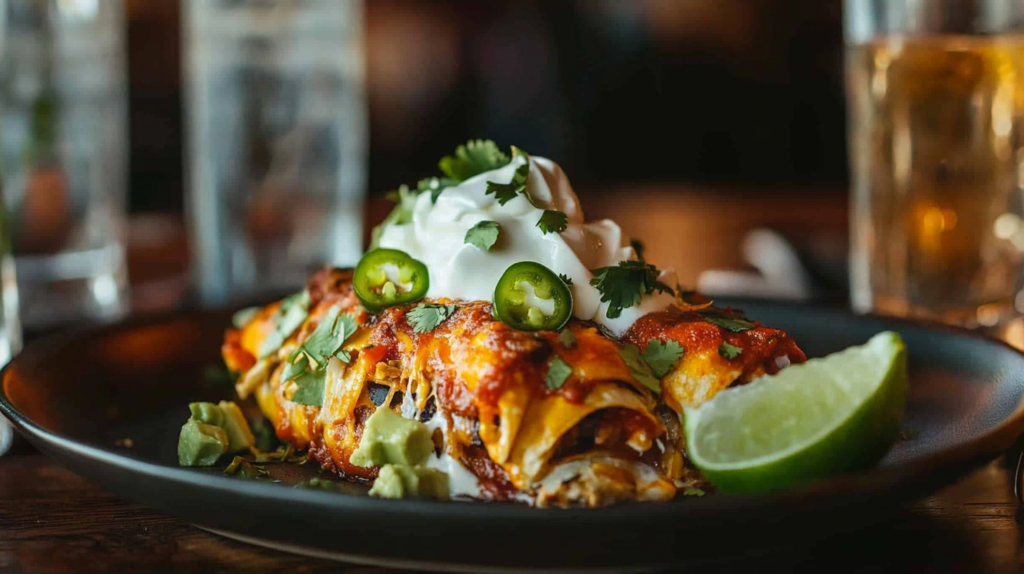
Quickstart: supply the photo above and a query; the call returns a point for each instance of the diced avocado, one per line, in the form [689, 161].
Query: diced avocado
[208, 413]
[201, 444]
[402, 481]
[388, 438]
[240, 437]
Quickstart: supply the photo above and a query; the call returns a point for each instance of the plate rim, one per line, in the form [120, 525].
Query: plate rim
[956, 459]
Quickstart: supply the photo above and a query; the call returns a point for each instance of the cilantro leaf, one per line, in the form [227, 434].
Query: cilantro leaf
[662, 356]
[639, 368]
[552, 221]
[327, 338]
[506, 192]
[427, 316]
[565, 279]
[566, 338]
[735, 324]
[639, 247]
[474, 158]
[484, 234]
[624, 285]
[245, 469]
[290, 316]
[435, 185]
[729, 351]
[405, 200]
[242, 317]
[694, 492]
[558, 373]
[310, 389]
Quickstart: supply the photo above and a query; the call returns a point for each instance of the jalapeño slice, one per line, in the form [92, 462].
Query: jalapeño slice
[530, 297]
[388, 278]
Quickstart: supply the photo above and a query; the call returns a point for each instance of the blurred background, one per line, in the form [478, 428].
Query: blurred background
[702, 91]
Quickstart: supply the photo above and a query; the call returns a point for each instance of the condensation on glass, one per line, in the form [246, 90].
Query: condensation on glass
[276, 120]
[63, 155]
[935, 94]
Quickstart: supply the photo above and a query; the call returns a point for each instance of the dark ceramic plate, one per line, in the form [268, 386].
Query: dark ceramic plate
[76, 397]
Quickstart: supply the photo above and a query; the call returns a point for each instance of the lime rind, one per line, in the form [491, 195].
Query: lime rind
[824, 417]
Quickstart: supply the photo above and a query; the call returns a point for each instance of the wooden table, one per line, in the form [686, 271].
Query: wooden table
[54, 521]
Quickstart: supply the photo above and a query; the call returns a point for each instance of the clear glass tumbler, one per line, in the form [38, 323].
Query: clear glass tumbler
[276, 120]
[63, 155]
[935, 94]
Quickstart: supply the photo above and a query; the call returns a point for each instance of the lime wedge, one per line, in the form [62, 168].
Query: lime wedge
[828, 416]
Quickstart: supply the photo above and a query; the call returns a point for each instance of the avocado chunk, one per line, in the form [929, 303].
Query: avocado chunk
[240, 437]
[402, 481]
[388, 438]
[208, 413]
[201, 444]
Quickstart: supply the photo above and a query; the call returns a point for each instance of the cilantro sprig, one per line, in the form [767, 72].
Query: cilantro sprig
[473, 158]
[307, 365]
[506, 192]
[483, 235]
[639, 368]
[558, 372]
[565, 279]
[728, 351]
[552, 221]
[662, 356]
[427, 316]
[290, 316]
[734, 322]
[625, 284]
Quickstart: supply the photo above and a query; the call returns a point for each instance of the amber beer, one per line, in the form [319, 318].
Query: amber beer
[937, 168]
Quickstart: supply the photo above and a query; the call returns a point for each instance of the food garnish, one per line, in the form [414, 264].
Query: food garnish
[552, 221]
[639, 368]
[292, 313]
[729, 351]
[662, 356]
[567, 338]
[427, 316]
[388, 278]
[558, 373]
[506, 192]
[624, 285]
[212, 431]
[530, 297]
[483, 235]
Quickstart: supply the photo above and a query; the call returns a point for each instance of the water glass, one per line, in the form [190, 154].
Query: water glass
[63, 155]
[276, 160]
[935, 92]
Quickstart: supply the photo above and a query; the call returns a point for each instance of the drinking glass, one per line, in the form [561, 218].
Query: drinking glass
[10, 326]
[935, 94]
[276, 120]
[63, 156]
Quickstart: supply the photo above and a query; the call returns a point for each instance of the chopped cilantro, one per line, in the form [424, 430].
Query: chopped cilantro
[307, 364]
[405, 201]
[735, 324]
[639, 247]
[558, 373]
[693, 492]
[310, 388]
[662, 356]
[242, 317]
[435, 186]
[427, 316]
[474, 158]
[566, 338]
[289, 317]
[506, 192]
[624, 285]
[639, 368]
[266, 439]
[729, 351]
[318, 483]
[552, 221]
[565, 279]
[483, 235]
[245, 469]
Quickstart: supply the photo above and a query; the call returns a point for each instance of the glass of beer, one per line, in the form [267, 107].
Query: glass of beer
[935, 94]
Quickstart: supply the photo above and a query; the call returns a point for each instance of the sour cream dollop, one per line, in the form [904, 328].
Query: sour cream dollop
[458, 270]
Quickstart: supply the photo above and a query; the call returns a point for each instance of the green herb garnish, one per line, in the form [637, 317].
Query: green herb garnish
[483, 235]
[625, 285]
[318, 483]
[558, 373]
[639, 368]
[474, 158]
[735, 324]
[565, 279]
[506, 192]
[567, 338]
[729, 351]
[242, 317]
[552, 221]
[638, 247]
[662, 356]
[427, 316]
[245, 469]
[289, 317]
[307, 364]
[693, 492]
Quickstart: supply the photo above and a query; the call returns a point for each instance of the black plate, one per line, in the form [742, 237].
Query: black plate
[76, 396]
